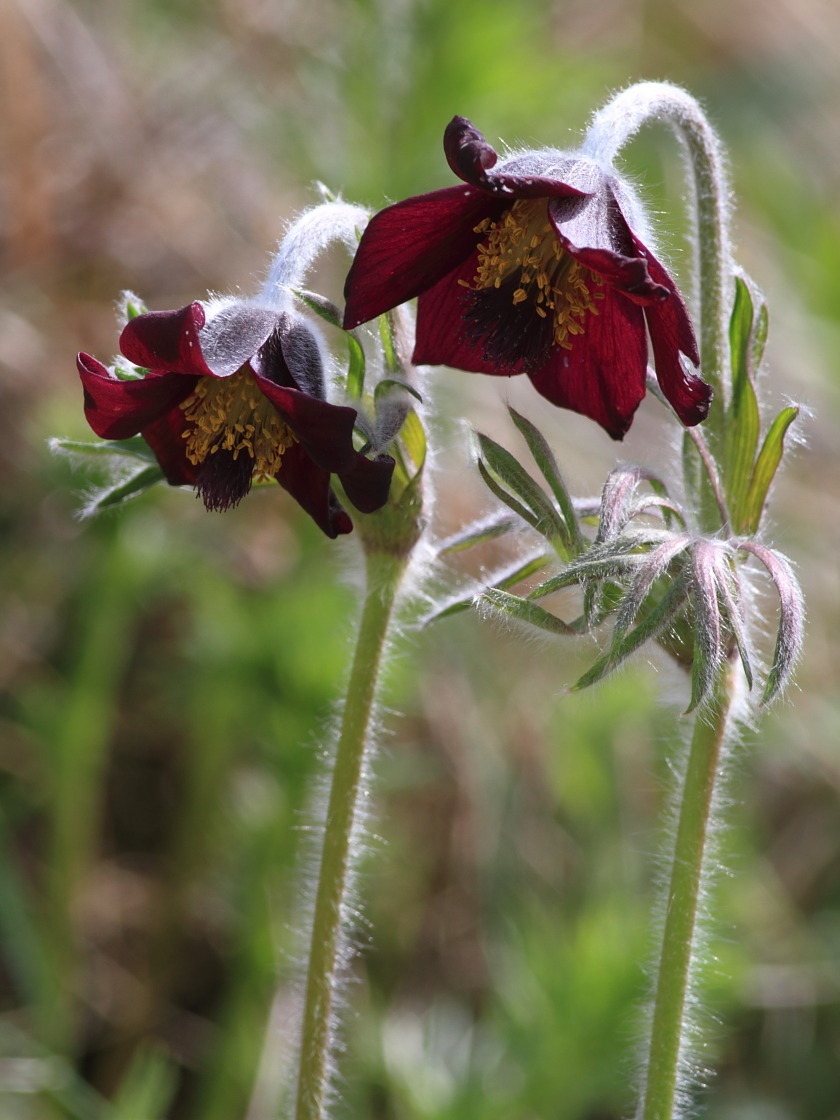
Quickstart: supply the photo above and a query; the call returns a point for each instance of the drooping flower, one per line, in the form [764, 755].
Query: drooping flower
[533, 267]
[228, 392]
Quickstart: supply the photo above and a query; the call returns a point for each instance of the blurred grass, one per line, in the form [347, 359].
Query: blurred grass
[166, 676]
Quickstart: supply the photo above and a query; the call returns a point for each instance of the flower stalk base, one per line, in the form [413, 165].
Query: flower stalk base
[329, 924]
[667, 1057]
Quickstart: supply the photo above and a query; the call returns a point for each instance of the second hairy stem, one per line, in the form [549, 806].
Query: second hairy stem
[384, 572]
[666, 1057]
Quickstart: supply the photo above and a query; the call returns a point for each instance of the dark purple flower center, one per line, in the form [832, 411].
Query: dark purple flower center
[528, 294]
[233, 435]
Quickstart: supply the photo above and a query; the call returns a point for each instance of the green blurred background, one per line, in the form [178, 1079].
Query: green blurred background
[167, 675]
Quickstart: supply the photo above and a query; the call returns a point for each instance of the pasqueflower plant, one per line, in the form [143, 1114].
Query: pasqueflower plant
[542, 263]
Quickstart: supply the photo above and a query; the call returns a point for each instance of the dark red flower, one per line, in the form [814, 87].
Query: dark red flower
[231, 392]
[533, 267]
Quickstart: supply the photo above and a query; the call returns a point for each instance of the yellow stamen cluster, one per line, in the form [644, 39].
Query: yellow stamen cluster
[231, 414]
[523, 239]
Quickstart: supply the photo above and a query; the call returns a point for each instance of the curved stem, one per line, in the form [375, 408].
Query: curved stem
[617, 123]
[384, 572]
[688, 883]
[304, 241]
[611, 128]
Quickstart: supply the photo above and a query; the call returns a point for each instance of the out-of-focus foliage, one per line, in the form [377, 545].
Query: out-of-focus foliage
[166, 674]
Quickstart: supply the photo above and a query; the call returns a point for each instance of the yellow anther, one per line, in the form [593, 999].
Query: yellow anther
[231, 414]
[523, 244]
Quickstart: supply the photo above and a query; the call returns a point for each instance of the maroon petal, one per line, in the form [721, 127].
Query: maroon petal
[368, 483]
[671, 333]
[166, 439]
[441, 337]
[310, 487]
[324, 430]
[408, 247]
[673, 310]
[167, 340]
[688, 393]
[118, 409]
[471, 157]
[603, 375]
[467, 152]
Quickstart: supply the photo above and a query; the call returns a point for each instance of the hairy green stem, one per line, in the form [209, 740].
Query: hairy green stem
[611, 128]
[666, 1054]
[384, 572]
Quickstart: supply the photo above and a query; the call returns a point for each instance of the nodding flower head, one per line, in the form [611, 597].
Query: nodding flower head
[533, 266]
[228, 392]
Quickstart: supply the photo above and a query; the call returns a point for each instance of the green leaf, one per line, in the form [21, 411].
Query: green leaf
[133, 306]
[765, 469]
[355, 367]
[486, 530]
[652, 624]
[743, 421]
[759, 337]
[544, 458]
[124, 489]
[510, 474]
[527, 611]
[324, 308]
[134, 448]
[520, 572]
[387, 334]
[394, 383]
[413, 439]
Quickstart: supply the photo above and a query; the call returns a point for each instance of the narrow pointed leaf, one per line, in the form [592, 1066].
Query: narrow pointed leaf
[413, 438]
[133, 448]
[488, 529]
[731, 599]
[506, 497]
[743, 422]
[759, 336]
[511, 474]
[654, 565]
[791, 632]
[707, 623]
[388, 337]
[355, 367]
[648, 628]
[124, 489]
[508, 579]
[392, 383]
[765, 469]
[584, 571]
[526, 611]
[324, 308]
[544, 458]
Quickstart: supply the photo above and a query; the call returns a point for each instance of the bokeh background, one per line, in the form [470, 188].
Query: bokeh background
[166, 676]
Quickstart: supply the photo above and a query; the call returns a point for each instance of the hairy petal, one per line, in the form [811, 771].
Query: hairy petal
[310, 486]
[603, 375]
[166, 439]
[118, 409]
[167, 340]
[409, 247]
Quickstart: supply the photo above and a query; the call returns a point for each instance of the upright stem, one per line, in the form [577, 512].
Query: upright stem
[384, 572]
[666, 1053]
